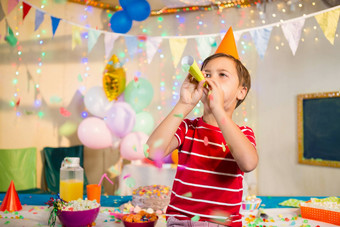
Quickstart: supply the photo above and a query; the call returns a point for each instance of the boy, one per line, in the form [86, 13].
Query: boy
[213, 151]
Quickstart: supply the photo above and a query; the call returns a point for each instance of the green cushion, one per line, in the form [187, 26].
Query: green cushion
[53, 159]
[18, 165]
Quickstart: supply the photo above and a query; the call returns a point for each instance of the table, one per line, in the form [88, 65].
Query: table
[36, 213]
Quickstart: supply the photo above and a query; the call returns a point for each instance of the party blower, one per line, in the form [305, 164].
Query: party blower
[194, 70]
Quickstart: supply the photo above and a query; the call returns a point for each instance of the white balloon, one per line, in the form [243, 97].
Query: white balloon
[96, 101]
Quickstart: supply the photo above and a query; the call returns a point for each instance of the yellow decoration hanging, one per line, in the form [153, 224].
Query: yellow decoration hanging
[114, 79]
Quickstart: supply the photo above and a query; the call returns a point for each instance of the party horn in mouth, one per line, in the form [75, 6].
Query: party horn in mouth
[194, 70]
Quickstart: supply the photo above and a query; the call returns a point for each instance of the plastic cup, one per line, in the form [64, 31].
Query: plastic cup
[93, 192]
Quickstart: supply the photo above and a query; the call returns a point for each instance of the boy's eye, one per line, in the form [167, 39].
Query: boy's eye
[222, 74]
[207, 75]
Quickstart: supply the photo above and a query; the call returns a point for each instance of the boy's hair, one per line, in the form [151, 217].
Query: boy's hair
[242, 72]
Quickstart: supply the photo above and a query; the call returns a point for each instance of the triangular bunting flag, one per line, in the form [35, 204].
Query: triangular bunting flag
[261, 38]
[11, 201]
[76, 37]
[292, 32]
[10, 37]
[2, 13]
[152, 45]
[132, 45]
[177, 46]
[11, 5]
[92, 40]
[55, 24]
[237, 35]
[25, 10]
[204, 46]
[39, 18]
[109, 40]
[328, 23]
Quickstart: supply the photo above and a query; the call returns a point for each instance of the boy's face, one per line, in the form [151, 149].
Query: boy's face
[223, 71]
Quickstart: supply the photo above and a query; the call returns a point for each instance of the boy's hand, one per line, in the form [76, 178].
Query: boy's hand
[215, 95]
[191, 91]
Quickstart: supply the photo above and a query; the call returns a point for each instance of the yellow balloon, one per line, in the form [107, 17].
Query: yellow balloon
[114, 79]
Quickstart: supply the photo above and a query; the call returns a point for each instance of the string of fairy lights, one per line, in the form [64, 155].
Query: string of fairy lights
[218, 5]
[245, 44]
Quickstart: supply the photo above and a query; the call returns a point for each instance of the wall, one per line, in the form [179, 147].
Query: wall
[277, 79]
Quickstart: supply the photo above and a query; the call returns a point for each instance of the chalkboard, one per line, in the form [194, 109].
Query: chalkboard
[319, 129]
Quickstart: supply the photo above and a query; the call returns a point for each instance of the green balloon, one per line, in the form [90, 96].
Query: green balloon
[144, 123]
[67, 129]
[138, 94]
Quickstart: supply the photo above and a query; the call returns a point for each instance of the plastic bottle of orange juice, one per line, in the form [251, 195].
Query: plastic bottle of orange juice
[71, 179]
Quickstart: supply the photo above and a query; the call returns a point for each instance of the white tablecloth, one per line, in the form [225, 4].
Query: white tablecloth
[38, 216]
[144, 175]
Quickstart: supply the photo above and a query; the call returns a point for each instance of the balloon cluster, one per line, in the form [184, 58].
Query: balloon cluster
[118, 121]
[138, 10]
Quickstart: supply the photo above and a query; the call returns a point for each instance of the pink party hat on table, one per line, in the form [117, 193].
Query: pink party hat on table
[11, 201]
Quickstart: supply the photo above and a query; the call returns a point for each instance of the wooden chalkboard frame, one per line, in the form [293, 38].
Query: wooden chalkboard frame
[300, 116]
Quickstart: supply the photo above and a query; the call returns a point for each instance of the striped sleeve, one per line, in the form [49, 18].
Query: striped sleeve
[249, 133]
[181, 132]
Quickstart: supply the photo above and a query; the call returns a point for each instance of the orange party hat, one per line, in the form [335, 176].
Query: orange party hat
[11, 201]
[228, 45]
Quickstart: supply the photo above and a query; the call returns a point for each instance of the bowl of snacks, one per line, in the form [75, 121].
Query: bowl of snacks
[78, 213]
[251, 203]
[140, 219]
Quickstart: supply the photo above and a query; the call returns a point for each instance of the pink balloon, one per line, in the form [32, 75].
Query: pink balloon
[94, 133]
[120, 119]
[132, 146]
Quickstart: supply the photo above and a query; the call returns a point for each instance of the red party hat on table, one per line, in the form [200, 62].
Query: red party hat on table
[11, 201]
[228, 45]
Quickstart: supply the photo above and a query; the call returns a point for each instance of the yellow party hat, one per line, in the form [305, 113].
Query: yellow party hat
[228, 45]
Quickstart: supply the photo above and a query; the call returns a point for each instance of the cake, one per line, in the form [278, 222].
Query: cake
[156, 197]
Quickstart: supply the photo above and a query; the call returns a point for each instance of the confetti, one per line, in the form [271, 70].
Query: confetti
[195, 218]
[146, 150]
[17, 103]
[223, 148]
[135, 79]
[80, 79]
[64, 112]
[126, 176]
[179, 115]
[7, 222]
[188, 194]
[210, 96]
[206, 141]
[130, 182]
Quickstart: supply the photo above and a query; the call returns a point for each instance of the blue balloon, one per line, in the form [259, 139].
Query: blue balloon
[121, 22]
[125, 3]
[139, 10]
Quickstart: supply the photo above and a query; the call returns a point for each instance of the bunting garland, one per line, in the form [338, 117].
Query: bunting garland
[26, 9]
[109, 40]
[39, 18]
[55, 24]
[292, 32]
[328, 22]
[2, 13]
[177, 46]
[11, 5]
[327, 19]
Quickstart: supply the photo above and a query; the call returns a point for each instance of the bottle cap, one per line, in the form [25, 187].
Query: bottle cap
[70, 162]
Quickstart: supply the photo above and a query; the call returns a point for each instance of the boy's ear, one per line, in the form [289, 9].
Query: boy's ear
[242, 92]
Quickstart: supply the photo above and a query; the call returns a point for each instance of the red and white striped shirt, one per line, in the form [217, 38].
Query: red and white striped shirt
[208, 181]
